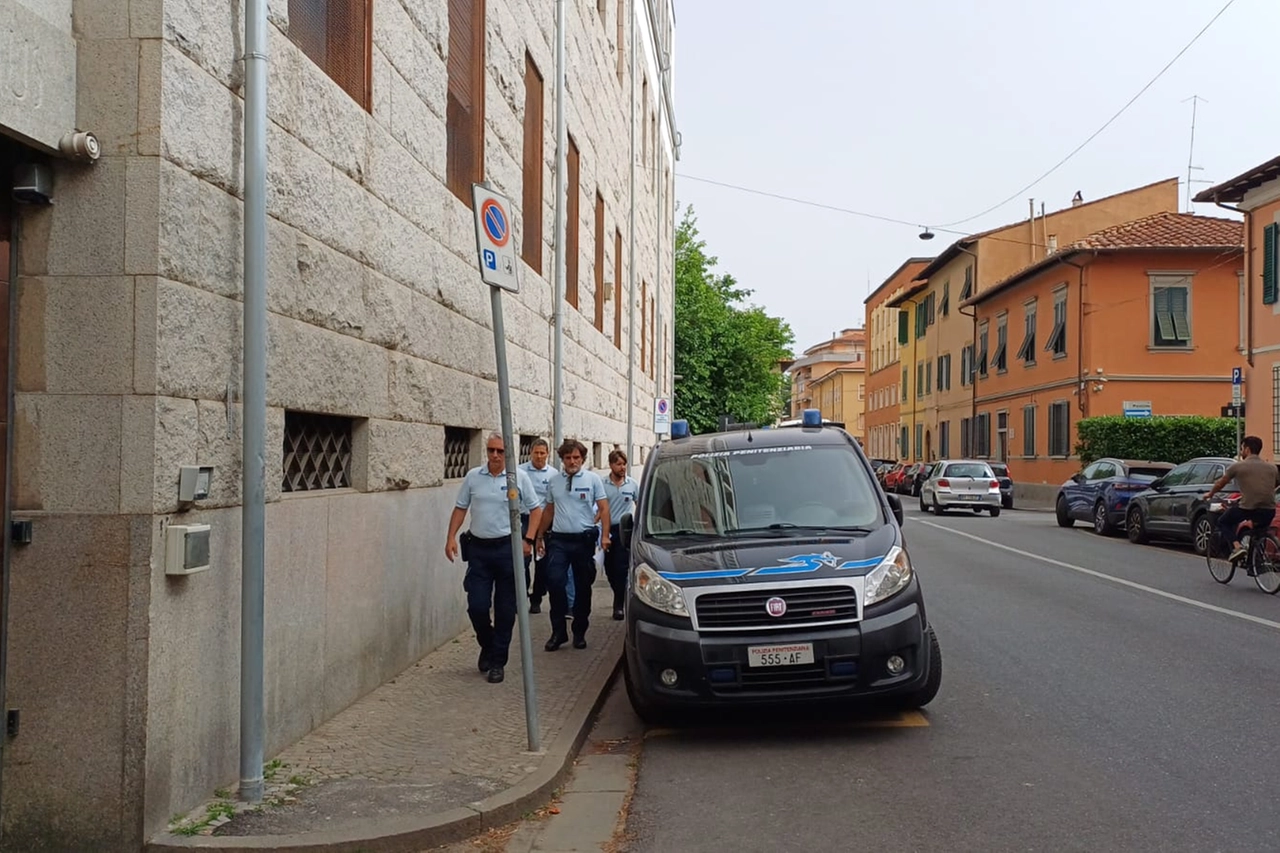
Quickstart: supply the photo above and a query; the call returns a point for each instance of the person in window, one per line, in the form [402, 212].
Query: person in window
[621, 491]
[490, 581]
[567, 535]
[1257, 481]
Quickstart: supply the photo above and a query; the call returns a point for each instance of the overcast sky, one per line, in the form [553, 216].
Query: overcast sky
[925, 111]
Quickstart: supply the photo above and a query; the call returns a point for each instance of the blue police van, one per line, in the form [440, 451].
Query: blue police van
[769, 567]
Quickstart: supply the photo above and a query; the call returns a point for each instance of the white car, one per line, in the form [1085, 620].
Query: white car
[961, 484]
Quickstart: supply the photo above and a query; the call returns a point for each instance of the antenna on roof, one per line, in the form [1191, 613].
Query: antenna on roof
[1191, 153]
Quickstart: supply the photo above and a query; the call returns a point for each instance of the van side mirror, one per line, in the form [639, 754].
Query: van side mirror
[628, 524]
[895, 504]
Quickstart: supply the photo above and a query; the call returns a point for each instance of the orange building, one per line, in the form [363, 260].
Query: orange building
[883, 379]
[1143, 318]
[831, 377]
[1256, 193]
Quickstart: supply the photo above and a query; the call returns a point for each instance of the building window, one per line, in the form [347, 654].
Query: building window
[966, 437]
[944, 439]
[1060, 429]
[922, 319]
[531, 249]
[919, 381]
[600, 293]
[617, 288]
[622, 40]
[317, 452]
[573, 225]
[1000, 361]
[653, 337]
[1270, 264]
[336, 35]
[946, 298]
[464, 119]
[904, 323]
[1027, 352]
[644, 324]
[903, 446]
[928, 377]
[1171, 312]
[1028, 430]
[982, 351]
[967, 290]
[919, 441]
[982, 435]
[1057, 343]
[862, 392]
[457, 452]
[904, 385]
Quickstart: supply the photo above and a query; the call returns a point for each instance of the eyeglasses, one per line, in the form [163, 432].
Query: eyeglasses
[497, 450]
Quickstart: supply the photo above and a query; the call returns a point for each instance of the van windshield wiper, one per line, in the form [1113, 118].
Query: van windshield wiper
[786, 528]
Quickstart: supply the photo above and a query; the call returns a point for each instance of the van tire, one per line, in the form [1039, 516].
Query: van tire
[925, 695]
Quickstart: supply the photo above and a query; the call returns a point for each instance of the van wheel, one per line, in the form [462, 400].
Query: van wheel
[1060, 509]
[933, 681]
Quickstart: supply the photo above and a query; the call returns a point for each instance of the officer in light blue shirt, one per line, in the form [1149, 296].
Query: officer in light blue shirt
[490, 579]
[567, 535]
[621, 490]
[541, 472]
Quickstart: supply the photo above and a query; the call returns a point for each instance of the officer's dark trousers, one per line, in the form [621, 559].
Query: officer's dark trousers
[568, 552]
[490, 583]
[617, 561]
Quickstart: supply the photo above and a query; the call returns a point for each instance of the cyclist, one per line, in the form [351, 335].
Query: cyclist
[1257, 481]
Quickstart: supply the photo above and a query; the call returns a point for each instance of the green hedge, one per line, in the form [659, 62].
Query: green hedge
[1163, 439]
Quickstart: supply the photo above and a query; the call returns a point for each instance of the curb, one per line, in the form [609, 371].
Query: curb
[415, 833]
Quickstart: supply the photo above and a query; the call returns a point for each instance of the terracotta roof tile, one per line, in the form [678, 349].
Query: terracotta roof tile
[1167, 231]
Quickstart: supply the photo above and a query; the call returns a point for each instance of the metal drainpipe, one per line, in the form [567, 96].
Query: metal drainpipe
[253, 511]
[560, 261]
[973, 386]
[1081, 380]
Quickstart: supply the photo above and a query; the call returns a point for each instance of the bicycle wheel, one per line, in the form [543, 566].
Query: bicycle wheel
[1266, 563]
[1215, 555]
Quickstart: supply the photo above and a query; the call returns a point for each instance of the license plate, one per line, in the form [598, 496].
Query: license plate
[969, 497]
[791, 654]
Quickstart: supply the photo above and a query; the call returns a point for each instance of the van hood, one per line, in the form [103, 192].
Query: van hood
[800, 556]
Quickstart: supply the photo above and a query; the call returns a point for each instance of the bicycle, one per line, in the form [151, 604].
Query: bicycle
[1261, 559]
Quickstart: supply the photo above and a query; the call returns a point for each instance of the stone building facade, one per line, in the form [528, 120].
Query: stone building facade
[381, 376]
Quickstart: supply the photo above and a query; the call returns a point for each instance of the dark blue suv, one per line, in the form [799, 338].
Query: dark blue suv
[768, 567]
[1100, 493]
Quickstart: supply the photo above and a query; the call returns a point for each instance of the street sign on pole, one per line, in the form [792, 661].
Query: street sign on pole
[494, 246]
[493, 237]
[1137, 408]
[1237, 376]
[662, 416]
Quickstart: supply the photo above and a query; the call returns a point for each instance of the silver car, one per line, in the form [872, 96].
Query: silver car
[961, 484]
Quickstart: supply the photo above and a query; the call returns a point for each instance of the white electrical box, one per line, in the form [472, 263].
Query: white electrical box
[186, 549]
[193, 483]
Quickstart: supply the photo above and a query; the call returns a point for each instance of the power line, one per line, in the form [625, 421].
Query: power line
[1105, 125]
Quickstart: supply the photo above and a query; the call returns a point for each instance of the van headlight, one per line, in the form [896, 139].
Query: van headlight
[889, 578]
[659, 593]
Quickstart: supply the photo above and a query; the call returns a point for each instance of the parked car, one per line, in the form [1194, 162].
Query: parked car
[961, 484]
[923, 470]
[1001, 470]
[1173, 506]
[907, 482]
[893, 477]
[760, 578]
[1100, 493]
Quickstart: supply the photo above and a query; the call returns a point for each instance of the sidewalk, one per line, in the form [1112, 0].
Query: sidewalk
[433, 756]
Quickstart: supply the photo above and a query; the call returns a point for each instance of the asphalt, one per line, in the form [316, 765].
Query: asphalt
[1096, 695]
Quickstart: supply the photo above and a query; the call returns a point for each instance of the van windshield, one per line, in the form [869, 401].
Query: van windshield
[752, 489]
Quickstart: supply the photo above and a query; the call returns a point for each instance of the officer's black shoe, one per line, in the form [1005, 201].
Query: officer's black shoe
[483, 662]
[556, 641]
[535, 606]
[495, 675]
[579, 642]
[618, 615]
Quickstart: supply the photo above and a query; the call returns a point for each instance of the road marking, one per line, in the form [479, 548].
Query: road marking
[902, 720]
[1247, 617]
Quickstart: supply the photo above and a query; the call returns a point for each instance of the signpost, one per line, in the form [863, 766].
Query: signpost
[1237, 380]
[495, 252]
[662, 416]
[1137, 408]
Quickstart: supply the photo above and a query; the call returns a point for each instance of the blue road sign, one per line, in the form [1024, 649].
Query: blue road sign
[1237, 376]
[495, 222]
[490, 259]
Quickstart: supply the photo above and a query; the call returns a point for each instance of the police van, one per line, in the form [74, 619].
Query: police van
[769, 567]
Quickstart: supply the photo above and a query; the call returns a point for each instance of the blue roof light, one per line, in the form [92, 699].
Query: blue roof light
[811, 417]
[680, 429]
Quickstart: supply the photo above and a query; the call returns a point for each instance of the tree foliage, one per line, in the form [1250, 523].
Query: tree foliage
[726, 350]
[1161, 439]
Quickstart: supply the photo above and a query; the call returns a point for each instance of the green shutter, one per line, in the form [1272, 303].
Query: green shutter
[903, 325]
[1270, 239]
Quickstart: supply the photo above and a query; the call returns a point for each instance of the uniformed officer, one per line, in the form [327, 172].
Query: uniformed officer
[490, 578]
[621, 491]
[567, 535]
[540, 471]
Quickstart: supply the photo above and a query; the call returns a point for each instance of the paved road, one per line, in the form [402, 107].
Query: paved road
[1117, 699]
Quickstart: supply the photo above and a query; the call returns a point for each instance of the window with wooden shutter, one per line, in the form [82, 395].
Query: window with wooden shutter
[1171, 312]
[600, 293]
[337, 35]
[1028, 430]
[1027, 351]
[622, 40]
[572, 226]
[464, 112]
[1270, 264]
[967, 290]
[653, 336]
[644, 323]
[531, 248]
[904, 323]
[617, 288]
